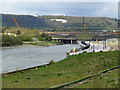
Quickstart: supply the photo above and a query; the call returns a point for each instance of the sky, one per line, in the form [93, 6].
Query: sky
[59, 0]
[76, 8]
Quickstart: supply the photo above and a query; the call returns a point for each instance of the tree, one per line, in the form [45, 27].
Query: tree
[18, 32]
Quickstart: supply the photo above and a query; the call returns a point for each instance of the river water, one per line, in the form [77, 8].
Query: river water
[17, 58]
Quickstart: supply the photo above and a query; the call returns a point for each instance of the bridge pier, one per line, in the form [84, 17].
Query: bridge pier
[71, 41]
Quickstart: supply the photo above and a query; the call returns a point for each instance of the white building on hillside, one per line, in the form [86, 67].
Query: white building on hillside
[59, 20]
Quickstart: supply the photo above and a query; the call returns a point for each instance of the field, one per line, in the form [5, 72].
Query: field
[70, 69]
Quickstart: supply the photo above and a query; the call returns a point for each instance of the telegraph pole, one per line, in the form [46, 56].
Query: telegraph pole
[94, 42]
[104, 40]
[83, 25]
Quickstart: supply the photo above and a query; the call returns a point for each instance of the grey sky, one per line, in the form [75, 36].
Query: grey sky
[102, 9]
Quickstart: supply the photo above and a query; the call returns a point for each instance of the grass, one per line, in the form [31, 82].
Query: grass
[44, 43]
[70, 69]
[107, 80]
[0, 82]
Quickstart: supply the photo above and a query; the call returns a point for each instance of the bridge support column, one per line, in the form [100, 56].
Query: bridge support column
[71, 42]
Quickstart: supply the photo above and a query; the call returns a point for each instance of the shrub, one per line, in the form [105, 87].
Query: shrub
[101, 51]
[25, 38]
[84, 52]
[39, 37]
[43, 37]
[46, 37]
[8, 40]
[51, 62]
[59, 74]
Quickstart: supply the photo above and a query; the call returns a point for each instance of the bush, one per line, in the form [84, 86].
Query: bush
[51, 62]
[59, 74]
[25, 38]
[43, 37]
[46, 37]
[84, 52]
[101, 51]
[39, 37]
[8, 40]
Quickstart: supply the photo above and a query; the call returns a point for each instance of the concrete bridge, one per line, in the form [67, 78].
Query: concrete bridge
[69, 38]
[66, 40]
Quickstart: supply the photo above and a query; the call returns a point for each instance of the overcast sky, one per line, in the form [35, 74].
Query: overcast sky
[59, 0]
[102, 9]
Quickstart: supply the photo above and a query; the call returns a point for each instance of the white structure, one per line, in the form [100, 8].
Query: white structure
[59, 20]
[10, 34]
[94, 47]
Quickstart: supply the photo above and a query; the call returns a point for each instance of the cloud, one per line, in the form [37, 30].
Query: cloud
[61, 8]
[109, 10]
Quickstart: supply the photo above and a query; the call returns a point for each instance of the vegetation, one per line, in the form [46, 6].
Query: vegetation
[70, 69]
[8, 40]
[73, 24]
[25, 38]
[44, 43]
[27, 34]
[23, 20]
[51, 62]
[107, 80]
[34, 37]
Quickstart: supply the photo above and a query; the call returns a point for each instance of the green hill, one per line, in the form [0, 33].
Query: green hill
[74, 23]
[26, 21]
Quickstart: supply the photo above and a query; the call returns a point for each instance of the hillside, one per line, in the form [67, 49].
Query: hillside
[23, 21]
[106, 80]
[54, 23]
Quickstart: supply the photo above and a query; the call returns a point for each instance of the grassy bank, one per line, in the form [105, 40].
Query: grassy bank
[42, 43]
[107, 80]
[70, 69]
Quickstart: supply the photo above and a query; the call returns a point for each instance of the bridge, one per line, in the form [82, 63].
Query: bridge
[64, 38]
[69, 37]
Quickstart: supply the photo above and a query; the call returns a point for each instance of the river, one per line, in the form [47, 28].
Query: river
[17, 58]
[22, 57]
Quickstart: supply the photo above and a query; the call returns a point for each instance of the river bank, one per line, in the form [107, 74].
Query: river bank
[42, 43]
[105, 80]
[70, 69]
[34, 44]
